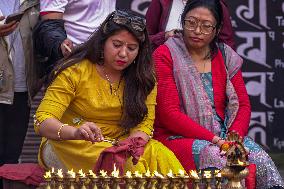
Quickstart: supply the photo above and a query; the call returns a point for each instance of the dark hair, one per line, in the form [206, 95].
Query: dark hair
[139, 76]
[215, 7]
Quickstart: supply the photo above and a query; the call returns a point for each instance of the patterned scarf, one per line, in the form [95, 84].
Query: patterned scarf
[194, 100]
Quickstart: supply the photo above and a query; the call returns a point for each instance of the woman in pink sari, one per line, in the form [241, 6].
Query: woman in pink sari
[202, 95]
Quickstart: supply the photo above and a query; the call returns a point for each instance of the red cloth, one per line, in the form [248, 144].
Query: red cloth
[157, 17]
[171, 121]
[28, 173]
[119, 154]
[45, 13]
[251, 178]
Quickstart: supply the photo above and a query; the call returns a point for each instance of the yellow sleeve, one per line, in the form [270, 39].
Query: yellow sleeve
[146, 125]
[58, 95]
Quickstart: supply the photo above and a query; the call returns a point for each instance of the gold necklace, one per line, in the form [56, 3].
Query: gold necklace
[113, 90]
[207, 57]
[202, 74]
[204, 66]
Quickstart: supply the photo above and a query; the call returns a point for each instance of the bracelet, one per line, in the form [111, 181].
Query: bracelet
[59, 131]
[36, 121]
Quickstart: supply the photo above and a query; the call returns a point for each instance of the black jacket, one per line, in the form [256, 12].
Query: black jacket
[48, 36]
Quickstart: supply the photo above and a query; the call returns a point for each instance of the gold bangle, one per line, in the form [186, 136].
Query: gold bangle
[36, 121]
[59, 131]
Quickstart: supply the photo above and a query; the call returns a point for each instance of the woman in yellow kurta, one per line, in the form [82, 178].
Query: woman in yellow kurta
[105, 90]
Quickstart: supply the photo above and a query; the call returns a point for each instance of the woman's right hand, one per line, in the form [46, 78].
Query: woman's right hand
[6, 29]
[170, 33]
[66, 47]
[88, 131]
[220, 143]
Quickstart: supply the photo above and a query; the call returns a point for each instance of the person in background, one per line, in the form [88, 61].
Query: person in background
[104, 91]
[19, 76]
[202, 96]
[65, 24]
[163, 21]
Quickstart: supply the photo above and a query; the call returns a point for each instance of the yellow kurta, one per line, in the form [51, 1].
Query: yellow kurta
[79, 94]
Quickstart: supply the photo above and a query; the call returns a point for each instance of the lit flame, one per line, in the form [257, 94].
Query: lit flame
[194, 174]
[71, 173]
[181, 173]
[115, 172]
[148, 173]
[47, 175]
[52, 170]
[92, 174]
[241, 163]
[207, 174]
[60, 173]
[158, 174]
[128, 174]
[81, 173]
[170, 174]
[103, 173]
[219, 175]
[137, 174]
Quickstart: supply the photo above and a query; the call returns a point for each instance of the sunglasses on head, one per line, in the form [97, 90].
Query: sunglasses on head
[136, 22]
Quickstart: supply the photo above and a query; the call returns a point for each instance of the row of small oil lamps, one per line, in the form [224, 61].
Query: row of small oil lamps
[81, 180]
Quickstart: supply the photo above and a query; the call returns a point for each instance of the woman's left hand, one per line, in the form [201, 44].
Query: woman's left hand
[170, 33]
[140, 134]
[220, 143]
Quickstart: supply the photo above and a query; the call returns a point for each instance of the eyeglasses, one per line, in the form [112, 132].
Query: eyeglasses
[136, 22]
[191, 23]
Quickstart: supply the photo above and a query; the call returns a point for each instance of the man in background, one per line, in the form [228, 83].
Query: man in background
[19, 76]
[68, 23]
